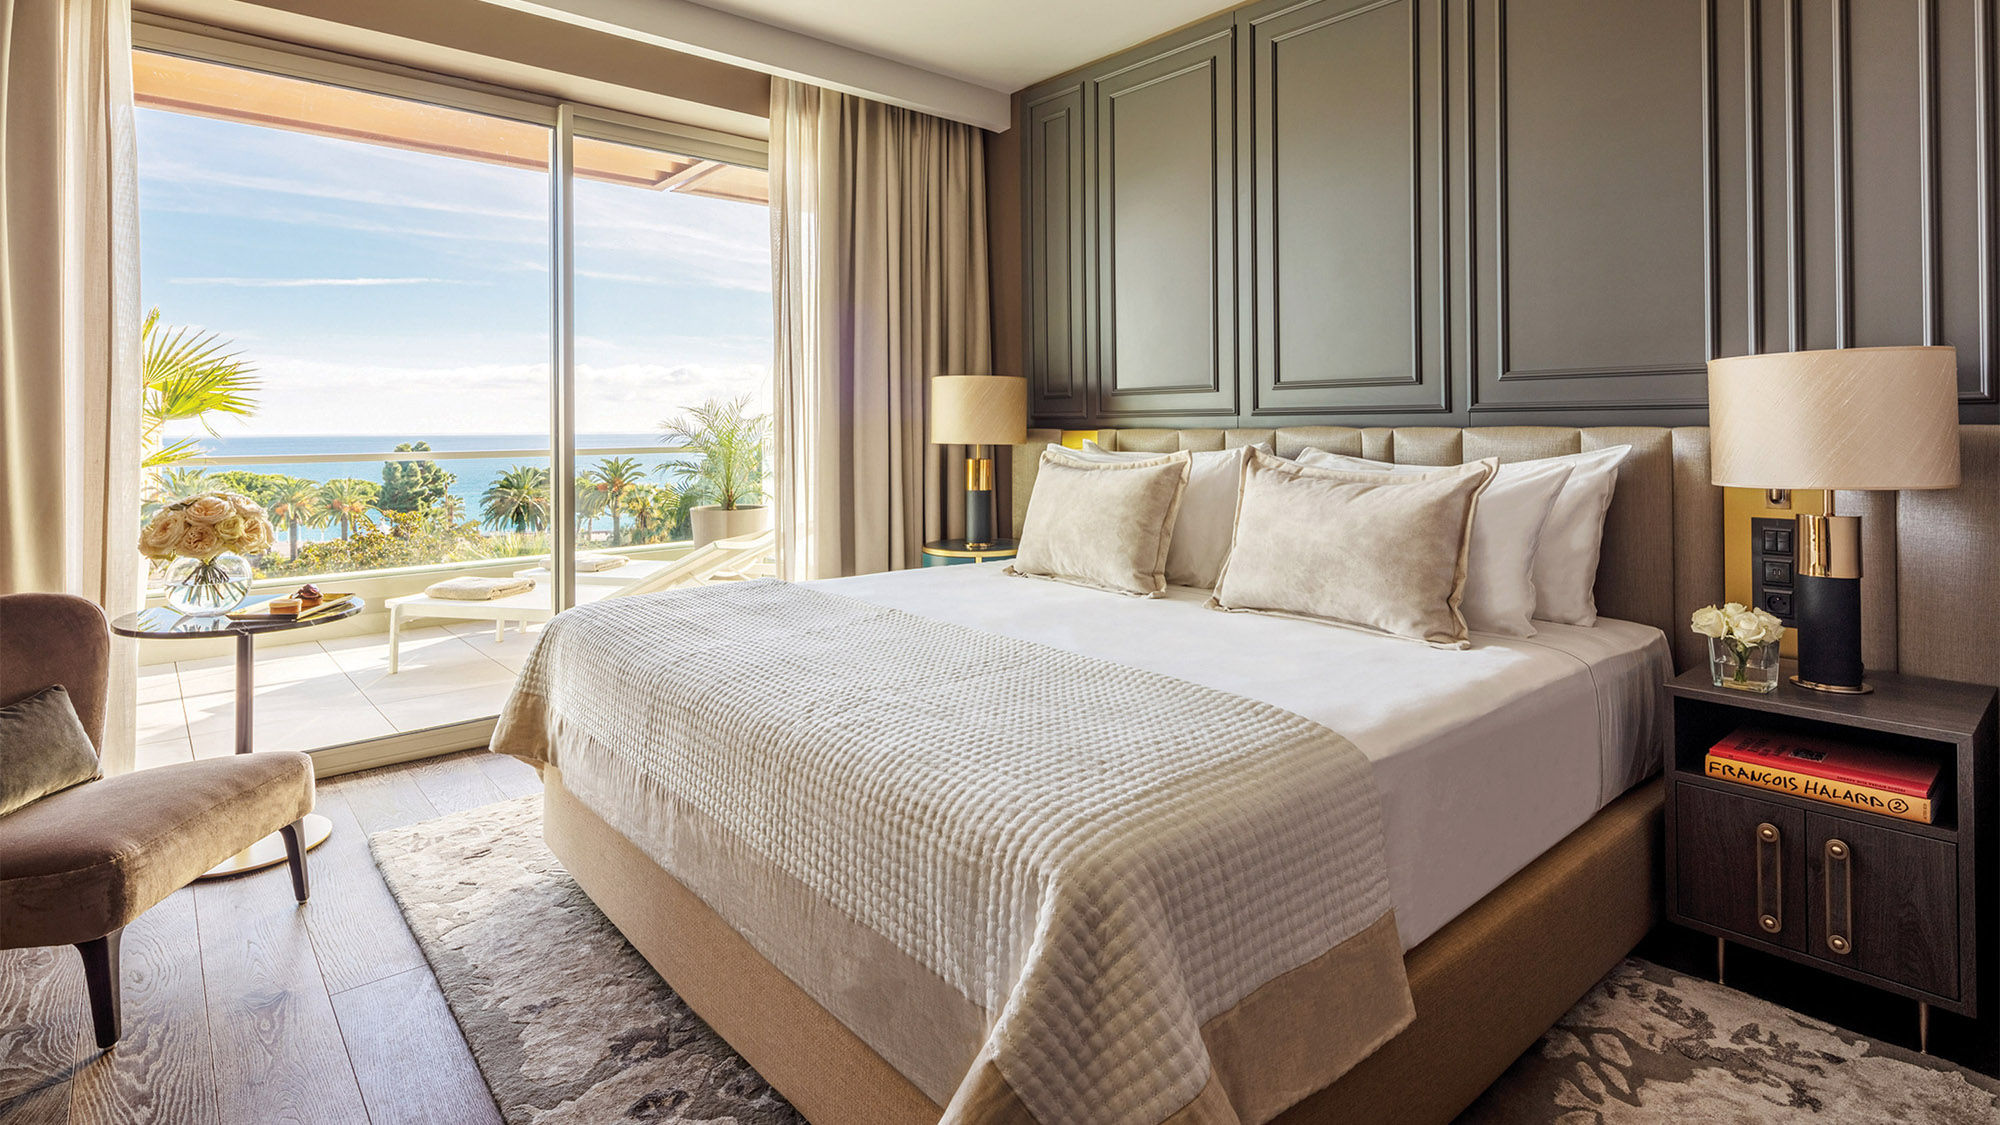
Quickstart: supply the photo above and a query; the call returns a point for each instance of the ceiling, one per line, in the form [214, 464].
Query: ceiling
[999, 44]
[959, 59]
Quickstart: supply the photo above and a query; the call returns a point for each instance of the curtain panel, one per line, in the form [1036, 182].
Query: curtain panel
[69, 316]
[878, 250]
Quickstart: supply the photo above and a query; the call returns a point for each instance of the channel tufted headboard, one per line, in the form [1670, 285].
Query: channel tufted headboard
[1662, 554]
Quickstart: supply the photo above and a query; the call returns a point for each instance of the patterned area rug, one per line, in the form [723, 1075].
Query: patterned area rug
[569, 1025]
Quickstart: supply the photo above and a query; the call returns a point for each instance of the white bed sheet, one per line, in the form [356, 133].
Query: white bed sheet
[1485, 757]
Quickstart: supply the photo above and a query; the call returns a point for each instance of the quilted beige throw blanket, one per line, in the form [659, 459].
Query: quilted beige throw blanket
[1044, 887]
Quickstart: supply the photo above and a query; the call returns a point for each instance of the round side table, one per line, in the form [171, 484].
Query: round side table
[954, 552]
[161, 624]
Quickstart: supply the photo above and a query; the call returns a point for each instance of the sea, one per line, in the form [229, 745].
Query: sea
[474, 474]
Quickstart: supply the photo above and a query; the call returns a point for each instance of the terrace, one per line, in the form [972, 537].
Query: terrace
[329, 689]
[330, 254]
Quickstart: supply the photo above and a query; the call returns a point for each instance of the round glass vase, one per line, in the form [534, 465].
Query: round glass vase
[1743, 667]
[205, 587]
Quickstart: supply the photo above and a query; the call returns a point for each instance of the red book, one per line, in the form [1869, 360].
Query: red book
[1908, 774]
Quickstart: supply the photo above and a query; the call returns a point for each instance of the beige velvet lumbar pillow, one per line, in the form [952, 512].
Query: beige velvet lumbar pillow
[1379, 551]
[1105, 525]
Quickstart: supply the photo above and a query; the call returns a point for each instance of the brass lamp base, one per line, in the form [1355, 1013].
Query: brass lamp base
[979, 498]
[1837, 689]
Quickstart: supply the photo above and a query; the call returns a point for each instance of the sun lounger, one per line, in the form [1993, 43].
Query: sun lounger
[720, 561]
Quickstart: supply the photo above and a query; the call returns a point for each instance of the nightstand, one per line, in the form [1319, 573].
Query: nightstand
[1897, 905]
[951, 552]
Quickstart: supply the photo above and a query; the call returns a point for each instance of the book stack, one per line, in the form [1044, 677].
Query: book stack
[1822, 769]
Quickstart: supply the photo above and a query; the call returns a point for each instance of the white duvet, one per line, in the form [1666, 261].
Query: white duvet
[1484, 758]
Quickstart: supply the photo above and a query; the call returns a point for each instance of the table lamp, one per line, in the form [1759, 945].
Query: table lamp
[1859, 419]
[980, 411]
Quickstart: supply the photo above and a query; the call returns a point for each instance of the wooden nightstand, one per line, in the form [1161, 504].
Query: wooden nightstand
[1901, 906]
[950, 552]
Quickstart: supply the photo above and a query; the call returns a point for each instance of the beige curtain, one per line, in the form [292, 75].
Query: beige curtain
[878, 241]
[69, 316]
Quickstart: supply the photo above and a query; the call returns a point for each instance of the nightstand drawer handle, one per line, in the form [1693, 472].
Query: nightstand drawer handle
[1839, 897]
[1770, 879]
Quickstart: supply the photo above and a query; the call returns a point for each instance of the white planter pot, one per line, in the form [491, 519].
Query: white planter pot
[711, 522]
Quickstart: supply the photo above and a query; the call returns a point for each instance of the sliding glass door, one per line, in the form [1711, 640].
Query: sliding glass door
[387, 311]
[673, 360]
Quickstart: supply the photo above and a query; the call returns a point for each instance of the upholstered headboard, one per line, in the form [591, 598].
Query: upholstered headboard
[1662, 554]
[1930, 570]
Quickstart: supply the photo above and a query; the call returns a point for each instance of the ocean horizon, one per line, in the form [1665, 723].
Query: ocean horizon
[473, 475]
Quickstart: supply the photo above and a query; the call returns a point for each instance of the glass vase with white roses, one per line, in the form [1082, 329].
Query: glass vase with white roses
[1742, 646]
[206, 537]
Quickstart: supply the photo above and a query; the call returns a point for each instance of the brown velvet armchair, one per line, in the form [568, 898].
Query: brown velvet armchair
[78, 865]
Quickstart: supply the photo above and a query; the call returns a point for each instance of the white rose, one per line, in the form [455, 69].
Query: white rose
[1774, 629]
[163, 536]
[1709, 622]
[199, 541]
[1733, 608]
[231, 529]
[1746, 628]
[209, 510]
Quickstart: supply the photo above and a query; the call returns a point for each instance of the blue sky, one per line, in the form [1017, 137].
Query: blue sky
[384, 291]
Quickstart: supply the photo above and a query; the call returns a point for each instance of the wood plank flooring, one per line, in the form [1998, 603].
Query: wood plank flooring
[242, 1006]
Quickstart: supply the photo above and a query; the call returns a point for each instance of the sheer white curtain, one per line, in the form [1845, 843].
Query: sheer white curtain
[878, 247]
[69, 315]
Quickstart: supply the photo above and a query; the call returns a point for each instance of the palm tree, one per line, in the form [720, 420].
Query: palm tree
[294, 504]
[590, 504]
[652, 508]
[450, 509]
[730, 441]
[613, 478]
[169, 485]
[518, 498]
[347, 500]
[188, 375]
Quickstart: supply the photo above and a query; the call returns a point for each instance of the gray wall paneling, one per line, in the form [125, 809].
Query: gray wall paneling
[1508, 211]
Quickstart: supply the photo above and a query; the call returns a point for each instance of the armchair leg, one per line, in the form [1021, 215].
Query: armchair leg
[295, 857]
[100, 978]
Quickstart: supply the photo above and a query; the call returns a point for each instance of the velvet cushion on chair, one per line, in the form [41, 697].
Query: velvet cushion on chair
[43, 749]
[78, 864]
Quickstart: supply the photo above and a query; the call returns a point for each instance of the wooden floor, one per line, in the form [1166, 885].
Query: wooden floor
[243, 1006]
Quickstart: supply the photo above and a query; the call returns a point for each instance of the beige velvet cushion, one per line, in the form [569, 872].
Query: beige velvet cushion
[1105, 525]
[1379, 551]
[43, 749]
[1207, 519]
[78, 864]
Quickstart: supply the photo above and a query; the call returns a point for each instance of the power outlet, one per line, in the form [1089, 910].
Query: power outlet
[1773, 555]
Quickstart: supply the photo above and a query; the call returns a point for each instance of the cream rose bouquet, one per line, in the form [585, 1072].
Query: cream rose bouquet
[1739, 627]
[202, 527]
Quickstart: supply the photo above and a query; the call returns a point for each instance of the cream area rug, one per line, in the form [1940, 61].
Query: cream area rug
[569, 1025]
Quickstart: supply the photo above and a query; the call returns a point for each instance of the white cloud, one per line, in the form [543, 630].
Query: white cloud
[310, 282]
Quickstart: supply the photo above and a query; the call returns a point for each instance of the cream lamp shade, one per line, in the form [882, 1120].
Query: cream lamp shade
[979, 410]
[1866, 419]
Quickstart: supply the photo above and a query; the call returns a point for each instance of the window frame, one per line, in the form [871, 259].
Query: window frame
[566, 120]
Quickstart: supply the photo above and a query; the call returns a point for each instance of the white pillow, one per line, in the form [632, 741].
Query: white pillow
[1566, 562]
[1208, 509]
[1507, 527]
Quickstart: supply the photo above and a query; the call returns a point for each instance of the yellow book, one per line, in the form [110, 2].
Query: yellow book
[1863, 797]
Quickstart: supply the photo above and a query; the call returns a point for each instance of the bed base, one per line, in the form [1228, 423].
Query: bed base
[1486, 986]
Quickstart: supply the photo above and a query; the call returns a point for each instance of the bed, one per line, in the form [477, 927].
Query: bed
[1516, 817]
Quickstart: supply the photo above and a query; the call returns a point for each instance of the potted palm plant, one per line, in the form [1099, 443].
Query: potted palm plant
[726, 484]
